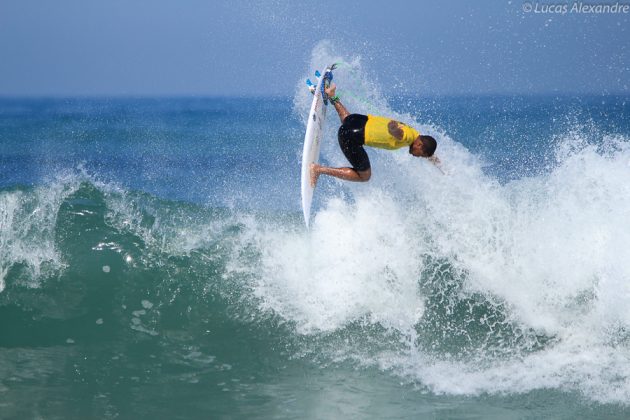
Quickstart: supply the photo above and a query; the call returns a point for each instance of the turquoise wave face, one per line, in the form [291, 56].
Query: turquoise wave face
[82, 259]
[114, 301]
[126, 291]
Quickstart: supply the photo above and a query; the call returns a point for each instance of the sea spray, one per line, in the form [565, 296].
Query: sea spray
[538, 267]
[511, 290]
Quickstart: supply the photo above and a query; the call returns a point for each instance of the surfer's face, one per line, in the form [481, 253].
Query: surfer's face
[417, 148]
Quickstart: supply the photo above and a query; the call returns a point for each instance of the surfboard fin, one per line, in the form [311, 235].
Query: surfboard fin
[311, 86]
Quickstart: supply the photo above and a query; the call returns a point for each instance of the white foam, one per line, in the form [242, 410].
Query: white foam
[27, 230]
[3, 273]
[551, 250]
[344, 277]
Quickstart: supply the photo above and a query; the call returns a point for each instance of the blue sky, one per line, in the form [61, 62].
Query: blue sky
[192, 47]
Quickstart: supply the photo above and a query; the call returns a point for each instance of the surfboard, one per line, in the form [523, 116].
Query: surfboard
[313, 136]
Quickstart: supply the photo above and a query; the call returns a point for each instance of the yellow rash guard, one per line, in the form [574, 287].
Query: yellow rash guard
[377, 134]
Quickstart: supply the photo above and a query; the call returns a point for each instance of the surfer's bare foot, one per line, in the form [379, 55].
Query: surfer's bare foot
[314, 174]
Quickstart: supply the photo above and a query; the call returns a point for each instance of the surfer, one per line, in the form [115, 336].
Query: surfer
[359, 130]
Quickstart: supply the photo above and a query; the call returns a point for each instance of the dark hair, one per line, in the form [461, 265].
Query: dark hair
[428, 145]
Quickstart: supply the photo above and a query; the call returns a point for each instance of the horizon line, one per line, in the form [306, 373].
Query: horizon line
[279, 97]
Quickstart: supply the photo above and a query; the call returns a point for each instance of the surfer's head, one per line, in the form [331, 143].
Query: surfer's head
[423, 146]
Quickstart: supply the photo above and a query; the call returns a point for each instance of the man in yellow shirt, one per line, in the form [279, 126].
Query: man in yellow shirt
[358, 130]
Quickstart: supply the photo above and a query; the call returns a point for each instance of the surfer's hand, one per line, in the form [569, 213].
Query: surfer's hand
[330, 90]
[434, 160]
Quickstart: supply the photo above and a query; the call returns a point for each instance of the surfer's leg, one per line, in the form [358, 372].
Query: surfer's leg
[347, 174]
[351, 135]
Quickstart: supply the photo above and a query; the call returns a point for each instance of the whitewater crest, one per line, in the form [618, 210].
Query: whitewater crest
[27, 231]
[38, 225]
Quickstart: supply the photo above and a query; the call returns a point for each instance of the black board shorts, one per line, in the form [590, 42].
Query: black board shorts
[351, 137]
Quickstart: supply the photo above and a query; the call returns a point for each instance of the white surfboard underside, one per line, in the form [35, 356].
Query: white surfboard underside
[312, 142]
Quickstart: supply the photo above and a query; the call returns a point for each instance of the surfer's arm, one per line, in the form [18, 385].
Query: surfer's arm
[434, 160]
[341, 110]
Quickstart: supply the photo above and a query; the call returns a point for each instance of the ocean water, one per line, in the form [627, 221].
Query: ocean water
[154, 262]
